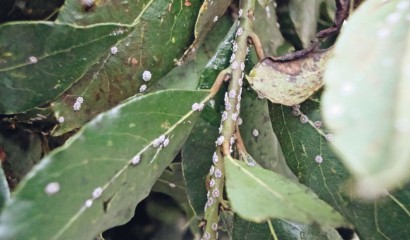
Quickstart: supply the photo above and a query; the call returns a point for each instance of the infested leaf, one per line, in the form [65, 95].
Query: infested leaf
[266, 150]
[187, 75]
[56, 57]
[102, 172]
[366, 94]
[97, 11]
[258, 195]
[289, 82]
[264, 146]
[152, 47]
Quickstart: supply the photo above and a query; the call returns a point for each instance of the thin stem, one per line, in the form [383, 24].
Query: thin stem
[257, 45]
[239, 141]
[230, 116]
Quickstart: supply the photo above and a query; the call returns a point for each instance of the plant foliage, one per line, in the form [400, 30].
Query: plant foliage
[153, 112]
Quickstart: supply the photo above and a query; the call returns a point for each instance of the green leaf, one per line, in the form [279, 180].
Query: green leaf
[219, 61]
[197, 159]
[267, 27]
[266, 150]
[209, 14]
[264, 147]
[56, 57]
[22, 149]
[370, 127]
[172, 183]
[90, 12]
[258, 194]
[101, 158]
[289, 82]
[303, 143]
[159, 37]
[304, 15]
[286, 24]
[244, 230]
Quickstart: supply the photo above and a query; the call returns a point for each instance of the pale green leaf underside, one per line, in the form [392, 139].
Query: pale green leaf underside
[258, 194]
[367, 93]
[100, 155]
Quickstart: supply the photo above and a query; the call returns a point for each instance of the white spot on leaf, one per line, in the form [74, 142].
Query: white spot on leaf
[52, 188]
[32, 59]
[114, 50]
[97, 192]
[255, 132]
[318, 159]
[197, 107]
[143, 88]
[329, 137]
[88, 203]
[166, 142]
[303, 118]
[146, 75]
[135, 160]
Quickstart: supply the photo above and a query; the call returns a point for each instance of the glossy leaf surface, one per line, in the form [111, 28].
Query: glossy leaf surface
[160, 35]
[97, 175]
[302, 143]
[56, 57]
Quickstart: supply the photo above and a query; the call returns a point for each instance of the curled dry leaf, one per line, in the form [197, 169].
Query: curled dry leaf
[289, 82]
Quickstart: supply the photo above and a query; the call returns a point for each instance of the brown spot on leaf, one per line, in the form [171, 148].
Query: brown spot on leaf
[133, 61]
